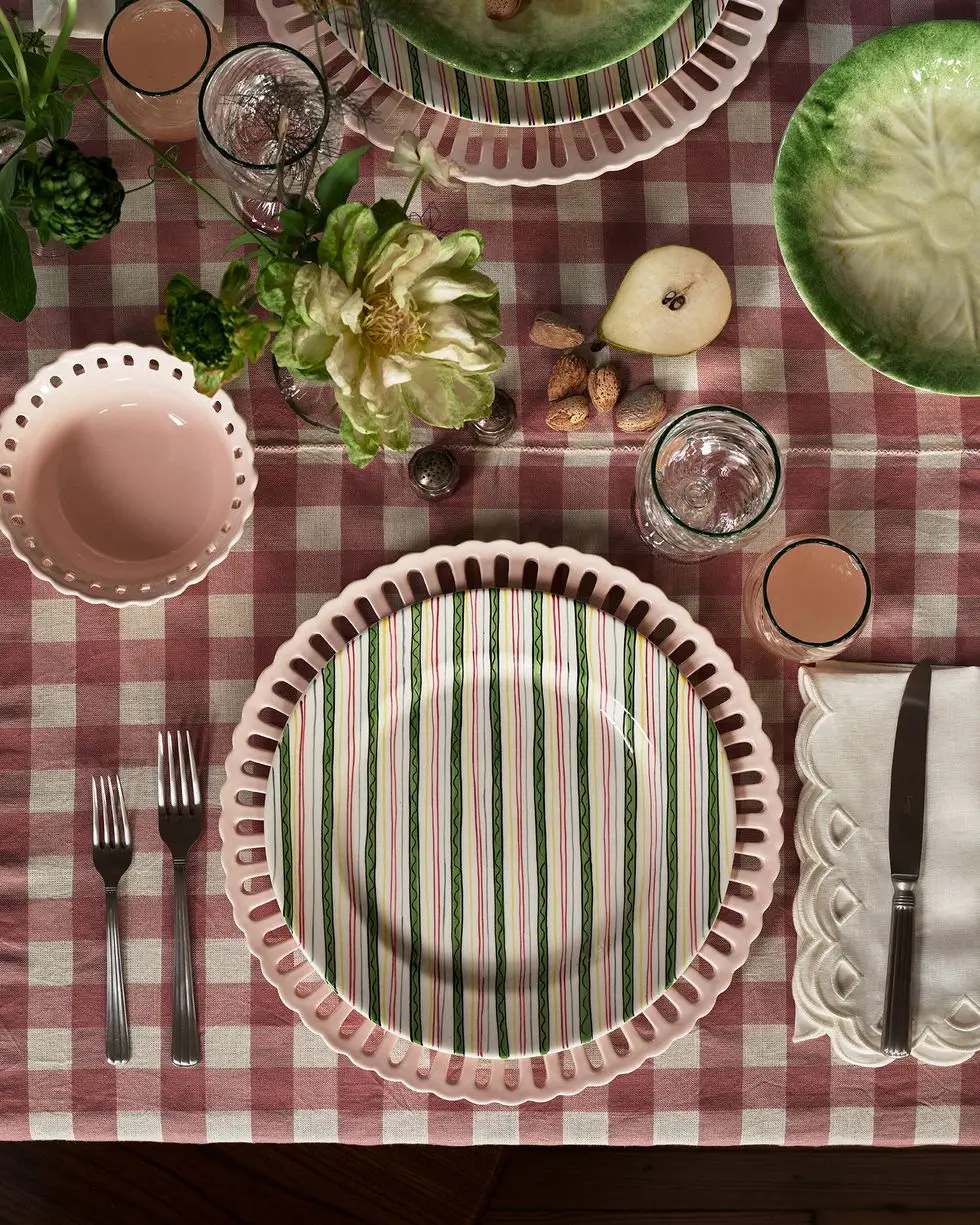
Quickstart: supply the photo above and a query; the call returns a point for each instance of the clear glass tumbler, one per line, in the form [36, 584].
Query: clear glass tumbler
[155, 54]
[706, 482]
[268, 127]
[807, 599]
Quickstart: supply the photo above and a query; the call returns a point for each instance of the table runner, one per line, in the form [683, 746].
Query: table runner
[891, 471]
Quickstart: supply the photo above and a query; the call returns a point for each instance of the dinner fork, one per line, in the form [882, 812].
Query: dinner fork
[180, 816]
[112, 853]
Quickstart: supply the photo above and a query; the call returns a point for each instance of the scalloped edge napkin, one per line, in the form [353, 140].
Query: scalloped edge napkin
[843, 906]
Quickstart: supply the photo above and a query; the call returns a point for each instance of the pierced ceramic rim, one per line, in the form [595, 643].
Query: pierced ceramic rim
[834, 544]
[735, 412]
[286, 161]
[15, 417]
[157, 93]
[565, 572]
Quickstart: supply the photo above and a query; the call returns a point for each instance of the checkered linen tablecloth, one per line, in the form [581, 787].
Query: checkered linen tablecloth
[890, 471]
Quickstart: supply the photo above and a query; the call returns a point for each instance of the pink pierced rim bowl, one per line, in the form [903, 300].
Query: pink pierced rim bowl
[119, 483]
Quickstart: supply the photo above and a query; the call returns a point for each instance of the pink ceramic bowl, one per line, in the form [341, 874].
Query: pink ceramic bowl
[119, 483]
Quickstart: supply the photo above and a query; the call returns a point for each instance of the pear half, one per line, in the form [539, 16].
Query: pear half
[673, 300]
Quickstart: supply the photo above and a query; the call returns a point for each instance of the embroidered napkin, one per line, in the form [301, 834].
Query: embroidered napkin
[843, 908]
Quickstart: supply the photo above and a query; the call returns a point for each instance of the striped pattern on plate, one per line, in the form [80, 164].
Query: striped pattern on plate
[411, 71]
[500, 822]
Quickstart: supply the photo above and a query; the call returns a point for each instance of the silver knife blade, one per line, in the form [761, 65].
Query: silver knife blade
[906, 806]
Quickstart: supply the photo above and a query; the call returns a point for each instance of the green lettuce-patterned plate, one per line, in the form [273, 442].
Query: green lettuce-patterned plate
[546, 41]
[407, 68]
[500, 822]
[877, 204]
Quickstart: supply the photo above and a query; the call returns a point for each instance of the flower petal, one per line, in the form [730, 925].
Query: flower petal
[444, 395]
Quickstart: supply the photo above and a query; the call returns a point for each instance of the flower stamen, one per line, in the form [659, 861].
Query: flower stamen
[390, 328]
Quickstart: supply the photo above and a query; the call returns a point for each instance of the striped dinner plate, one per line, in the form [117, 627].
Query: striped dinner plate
[500, 822]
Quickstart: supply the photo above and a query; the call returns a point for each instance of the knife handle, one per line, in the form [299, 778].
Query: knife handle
[896, 1020]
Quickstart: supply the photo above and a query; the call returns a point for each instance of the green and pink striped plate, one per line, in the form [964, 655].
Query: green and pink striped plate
[500, 822]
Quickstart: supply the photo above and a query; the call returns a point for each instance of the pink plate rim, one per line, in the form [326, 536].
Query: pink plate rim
[566, 572]
[63, 369]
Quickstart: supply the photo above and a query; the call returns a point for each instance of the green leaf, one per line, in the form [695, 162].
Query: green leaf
[237, 276]
[361, 448]
[75, 69]
[243, 240]
[56, 116]
[293, 223]
[8, 179]
[388, 213]
[18, 287]
[10, 107]
[275, 285]
[335, 184]
[347, 238]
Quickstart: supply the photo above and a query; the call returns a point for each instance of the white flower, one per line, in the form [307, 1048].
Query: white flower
[412, 155]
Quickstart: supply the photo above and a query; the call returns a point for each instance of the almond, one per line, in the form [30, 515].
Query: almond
[640, 410]
[569, 375]
[604, 388]
[551, 331]
[503, 10]
[568, 414]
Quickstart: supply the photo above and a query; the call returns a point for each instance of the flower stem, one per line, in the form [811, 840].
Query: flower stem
[54, 55]
[20, 68]
[416, 182]
[188, 179]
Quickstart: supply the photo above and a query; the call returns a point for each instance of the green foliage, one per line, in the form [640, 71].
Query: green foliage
[219, 336]
[68, 196]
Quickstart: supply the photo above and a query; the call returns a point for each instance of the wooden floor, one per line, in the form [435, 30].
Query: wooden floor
[145, 1184]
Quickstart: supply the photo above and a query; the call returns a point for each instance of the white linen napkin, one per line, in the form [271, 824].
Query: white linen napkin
[93, 15]
[843, 906]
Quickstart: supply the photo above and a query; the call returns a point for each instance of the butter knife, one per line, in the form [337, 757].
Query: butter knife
[906, 812]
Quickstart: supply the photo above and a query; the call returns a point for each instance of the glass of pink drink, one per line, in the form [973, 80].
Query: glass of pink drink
[807, 599]
[155, 55]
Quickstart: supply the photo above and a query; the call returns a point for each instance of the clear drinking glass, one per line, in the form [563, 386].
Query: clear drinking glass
[267, 128]
[155, 54]
[706, 482]
[807, 599]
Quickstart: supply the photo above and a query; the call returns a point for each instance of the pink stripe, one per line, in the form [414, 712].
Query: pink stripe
[298, 866]
[471, 599]
[606, 824]
[397, 952]
[515, 623]
[562, 833]
[656, 815]
[434, 826]
[352, 965]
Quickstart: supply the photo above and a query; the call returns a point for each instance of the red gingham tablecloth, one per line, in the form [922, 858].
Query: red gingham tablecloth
[891, 471]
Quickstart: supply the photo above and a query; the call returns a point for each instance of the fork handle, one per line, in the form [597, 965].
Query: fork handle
[185, 1049]
[117, 1043]
[896, 1021]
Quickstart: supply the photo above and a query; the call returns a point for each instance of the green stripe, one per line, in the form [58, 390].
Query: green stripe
[625, 81]
[660, 58]
[670, 941]
[371, 828]
[714, 822]
[415, 902]
[329, 700]
[285, 828]
[547, 102]
[497, 796]
[456, 833]
[629, 819]
[584, 97]
[370, 46]
[503, 104]
[540, 814]
[415, 71]
[584, 824]
[465, 109]
[699, 24]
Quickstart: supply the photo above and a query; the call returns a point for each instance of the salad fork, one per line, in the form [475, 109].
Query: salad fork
[180, 816]
[112, 853]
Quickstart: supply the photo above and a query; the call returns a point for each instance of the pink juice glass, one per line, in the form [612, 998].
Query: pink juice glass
[807, 599]
[155, 56]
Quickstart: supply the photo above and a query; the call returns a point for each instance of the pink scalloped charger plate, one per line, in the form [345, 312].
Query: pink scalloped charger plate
[119, 483]
[256, 756]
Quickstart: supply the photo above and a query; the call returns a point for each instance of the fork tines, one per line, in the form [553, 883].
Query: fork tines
[178, 788]
[110, 822]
